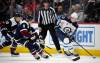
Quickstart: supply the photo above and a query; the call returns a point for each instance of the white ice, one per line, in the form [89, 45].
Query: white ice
[58, 58]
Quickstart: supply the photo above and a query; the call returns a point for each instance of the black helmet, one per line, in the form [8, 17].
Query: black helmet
[17, 15]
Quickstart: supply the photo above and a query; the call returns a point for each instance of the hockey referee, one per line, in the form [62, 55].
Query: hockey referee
[46, 21]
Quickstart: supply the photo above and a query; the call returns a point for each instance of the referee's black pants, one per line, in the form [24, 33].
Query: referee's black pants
[52, 31]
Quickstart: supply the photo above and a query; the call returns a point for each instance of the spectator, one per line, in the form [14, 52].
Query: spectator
[60, 12]
[31, 5]
[38, 7]
[18, 8]
[29, 9]
[27, 12]
[75, 2]
[91, 12]
[71, 10]
[76, 15]
[64, 3]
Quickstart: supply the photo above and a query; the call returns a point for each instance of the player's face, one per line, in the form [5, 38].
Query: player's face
[46, 5]
[18, 19]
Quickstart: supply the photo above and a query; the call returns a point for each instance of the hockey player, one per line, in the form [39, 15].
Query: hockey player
[27, 36]
[8, 29]
[65, 32]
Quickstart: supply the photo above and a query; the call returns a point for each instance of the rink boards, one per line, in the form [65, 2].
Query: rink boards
[87, 35]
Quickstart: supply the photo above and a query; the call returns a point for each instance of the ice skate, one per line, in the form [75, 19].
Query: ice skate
[59, 51]
[1, 46]
[67, 53]
[74, 56]
[36, 56]
[42, 54]
[13, 52]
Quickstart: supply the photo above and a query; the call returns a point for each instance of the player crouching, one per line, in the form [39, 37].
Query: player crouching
[27, 36]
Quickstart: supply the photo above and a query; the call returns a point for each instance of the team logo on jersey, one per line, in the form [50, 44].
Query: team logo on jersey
[24, 26]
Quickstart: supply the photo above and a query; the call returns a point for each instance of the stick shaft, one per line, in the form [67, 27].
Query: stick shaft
[84, 48]
[47, 53]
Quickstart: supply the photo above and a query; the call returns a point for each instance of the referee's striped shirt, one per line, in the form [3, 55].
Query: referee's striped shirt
[46, 16]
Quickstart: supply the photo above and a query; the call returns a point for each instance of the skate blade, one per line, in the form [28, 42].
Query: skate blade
[75, 59]
[14, 55]
[46, 57]
[37, 58]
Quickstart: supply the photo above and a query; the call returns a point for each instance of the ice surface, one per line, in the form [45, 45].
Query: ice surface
[58, 58]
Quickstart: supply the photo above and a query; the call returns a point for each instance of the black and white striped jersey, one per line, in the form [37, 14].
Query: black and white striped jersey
[46, 16]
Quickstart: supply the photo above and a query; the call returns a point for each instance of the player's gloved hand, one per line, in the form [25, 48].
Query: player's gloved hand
[35, 34]
[42, 41]
[33, 37]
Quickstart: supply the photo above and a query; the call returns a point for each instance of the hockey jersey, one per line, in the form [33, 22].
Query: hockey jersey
[24, 30]
[9, 28]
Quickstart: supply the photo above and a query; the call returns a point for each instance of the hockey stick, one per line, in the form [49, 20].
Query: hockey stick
[47, 53]
[73, 40]
[85, 50]
[48, 47]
